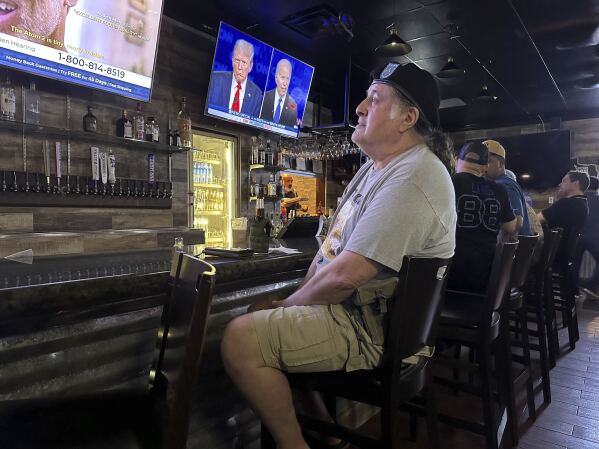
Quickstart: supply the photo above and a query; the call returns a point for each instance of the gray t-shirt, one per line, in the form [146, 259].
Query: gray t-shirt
[412, 212]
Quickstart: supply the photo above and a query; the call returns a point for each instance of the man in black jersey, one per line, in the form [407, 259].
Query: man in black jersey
[589, 241]
[570, 211]
[484, 212]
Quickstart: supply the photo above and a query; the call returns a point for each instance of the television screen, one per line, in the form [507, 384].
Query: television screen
[539, 160]
[255, 84]
[109, 45]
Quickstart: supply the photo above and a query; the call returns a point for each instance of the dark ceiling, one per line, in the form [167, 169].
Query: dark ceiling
[539, 57]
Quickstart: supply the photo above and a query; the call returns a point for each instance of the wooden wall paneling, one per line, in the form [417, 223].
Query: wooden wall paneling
[142, 220]
[19, 222]
[41, 244]
[183, 69]
[71, 221]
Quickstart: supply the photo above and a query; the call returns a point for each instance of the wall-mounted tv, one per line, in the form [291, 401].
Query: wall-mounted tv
[539, 160]
[255, 84]
[109, 45]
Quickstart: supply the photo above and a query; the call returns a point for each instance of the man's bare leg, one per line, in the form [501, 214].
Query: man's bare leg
[266, 389]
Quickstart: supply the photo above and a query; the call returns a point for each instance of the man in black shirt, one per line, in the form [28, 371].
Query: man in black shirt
[569, 212]
[589, 240]
[484, 212]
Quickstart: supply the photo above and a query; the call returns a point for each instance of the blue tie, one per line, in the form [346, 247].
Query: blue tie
[278, 111]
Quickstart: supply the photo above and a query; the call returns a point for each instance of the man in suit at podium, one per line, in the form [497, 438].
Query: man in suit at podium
[234, 90]
[279, 106]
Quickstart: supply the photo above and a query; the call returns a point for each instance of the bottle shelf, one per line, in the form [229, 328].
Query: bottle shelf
[208, 185]
[269, 198]
[273, 168]
[208, 161]
[200, 213]
[50, 132]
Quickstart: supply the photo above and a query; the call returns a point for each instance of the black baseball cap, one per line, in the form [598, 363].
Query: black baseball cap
[416, 85]
[475, 153]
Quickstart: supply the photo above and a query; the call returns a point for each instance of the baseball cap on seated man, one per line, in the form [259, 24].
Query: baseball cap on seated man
[416, 85]
[495, 148]
[475, 153]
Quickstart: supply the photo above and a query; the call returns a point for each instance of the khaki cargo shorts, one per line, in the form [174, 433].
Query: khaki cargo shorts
[314, 339]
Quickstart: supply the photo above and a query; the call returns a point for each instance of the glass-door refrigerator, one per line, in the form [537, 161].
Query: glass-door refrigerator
[212, 179]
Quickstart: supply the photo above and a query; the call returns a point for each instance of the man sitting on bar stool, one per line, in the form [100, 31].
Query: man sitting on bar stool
[570, 211]
[589, 241]
[484, 215]
[401, 203]
[497, 172]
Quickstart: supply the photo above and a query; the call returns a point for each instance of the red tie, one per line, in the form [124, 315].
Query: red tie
[235, 105]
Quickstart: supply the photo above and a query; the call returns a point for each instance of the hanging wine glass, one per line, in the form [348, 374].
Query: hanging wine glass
[346, 146]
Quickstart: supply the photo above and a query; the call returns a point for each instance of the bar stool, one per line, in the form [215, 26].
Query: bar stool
[412, 322]
[473, 320]
[156, 417]
[516, 311]
[538, 301]
[563, 284]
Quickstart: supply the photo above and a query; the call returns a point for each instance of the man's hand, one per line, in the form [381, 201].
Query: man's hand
[262, 304]
[280, 303]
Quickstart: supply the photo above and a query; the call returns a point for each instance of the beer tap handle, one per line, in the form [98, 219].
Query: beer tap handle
[37, 188]
[26, 188]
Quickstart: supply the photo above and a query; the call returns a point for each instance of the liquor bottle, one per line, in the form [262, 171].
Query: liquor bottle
[261, 189]
[259, 208]
[90, 122]
[172, 139]
[280, 188]
[8, 103]
[149, 130]
[254, 154]
[268, 154]
[272, 186]
[138, 124]
[184, 125]
[156, 133]
[124, 127]
[32, 105]
[261, 153]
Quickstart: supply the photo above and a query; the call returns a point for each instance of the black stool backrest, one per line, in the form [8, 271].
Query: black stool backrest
[499, 278]
[183, 334]
[164, 322]
[522, 259]
[551, 241]
[567, 247]
[416, 307]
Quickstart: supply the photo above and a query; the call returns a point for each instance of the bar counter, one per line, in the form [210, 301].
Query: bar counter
[72, 325]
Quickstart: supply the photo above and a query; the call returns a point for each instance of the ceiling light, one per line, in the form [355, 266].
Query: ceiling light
[525, 176]
[451, 70]
[484, 95]
[393, 45]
